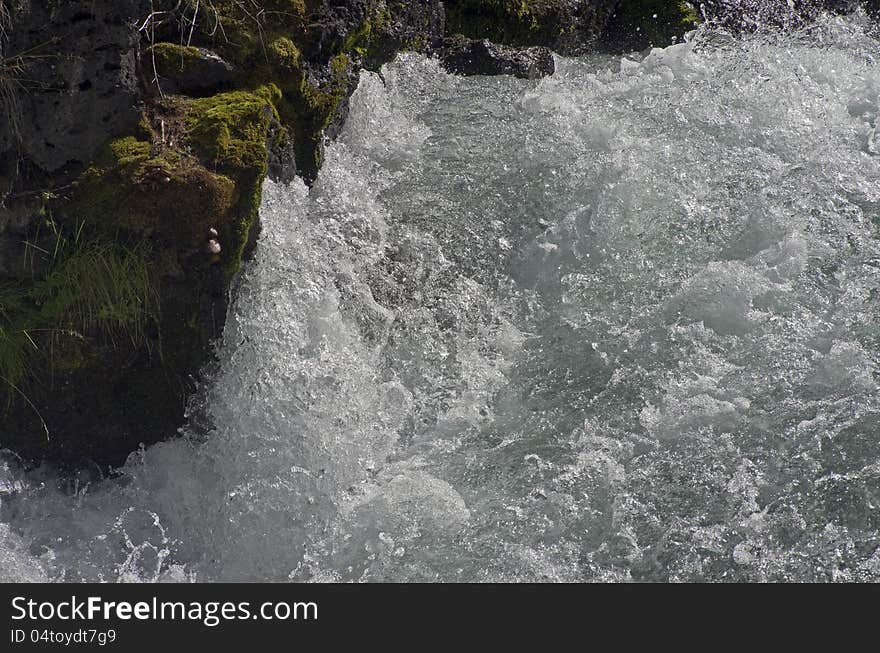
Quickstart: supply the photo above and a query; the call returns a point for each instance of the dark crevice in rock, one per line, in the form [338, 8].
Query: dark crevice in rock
[466, 56]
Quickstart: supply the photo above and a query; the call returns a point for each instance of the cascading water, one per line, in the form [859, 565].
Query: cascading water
[618, 324]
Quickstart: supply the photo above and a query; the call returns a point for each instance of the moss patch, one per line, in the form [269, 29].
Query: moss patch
[231, 133]
[230, 129]
[172, 59]
[202, 169]
[137, 188]
[284, 55]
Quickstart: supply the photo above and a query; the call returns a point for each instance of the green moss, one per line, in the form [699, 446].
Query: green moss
[387, 29]
[136, 188]
[339, 66]
[241, 31]
[230, 129]
[688, 13]
[284, 55]
[172, 59]
[212, 177]
[231, 132]
[129, 149]
[365, 39]
[266, 49]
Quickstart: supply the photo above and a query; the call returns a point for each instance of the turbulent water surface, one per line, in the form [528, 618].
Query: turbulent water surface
[618, 324]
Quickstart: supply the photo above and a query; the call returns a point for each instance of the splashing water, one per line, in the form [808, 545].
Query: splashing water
[618, 324]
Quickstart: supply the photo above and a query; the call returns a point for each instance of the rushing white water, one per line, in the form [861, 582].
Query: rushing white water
[618, 324]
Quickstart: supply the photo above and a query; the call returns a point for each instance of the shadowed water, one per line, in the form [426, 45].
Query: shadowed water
[619, 324]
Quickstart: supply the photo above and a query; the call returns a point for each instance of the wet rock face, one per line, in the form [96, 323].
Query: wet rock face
[465, 56]
[413, 25]
[334, 22]
[80, 77]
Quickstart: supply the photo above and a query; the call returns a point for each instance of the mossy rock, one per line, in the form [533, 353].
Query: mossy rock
[285, 56]
[223, 149]
[631, 25]
[171, 58]
[232, 133]
[211, 178]
[306, 108]
[283, 46]
[162, 194]
[230, 129]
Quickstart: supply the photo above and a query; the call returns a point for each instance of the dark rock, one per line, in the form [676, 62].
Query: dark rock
[80, 80]
[333, 23]
[282, 163]
[379, 32]
[465, 56]
[189, 70]
[566, 26]
[640, 24]
[416, 25]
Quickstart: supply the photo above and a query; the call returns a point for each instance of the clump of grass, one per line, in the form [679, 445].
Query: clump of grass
[17, 349]
[95, 292]
[12, 70]
[16, 345]
[5, 24]
[99, 288]
[13, 356]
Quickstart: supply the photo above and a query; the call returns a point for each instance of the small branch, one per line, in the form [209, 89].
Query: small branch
[150, 20]
[192, 24]
[153, 49]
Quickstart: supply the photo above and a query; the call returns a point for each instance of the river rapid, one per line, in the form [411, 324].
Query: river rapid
[619, 324]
